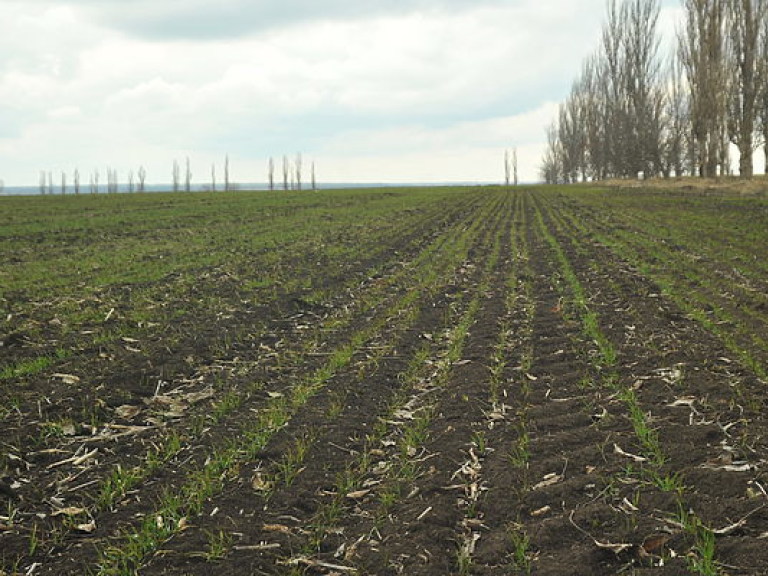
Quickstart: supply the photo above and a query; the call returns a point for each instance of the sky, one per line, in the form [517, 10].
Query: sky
[368, 90]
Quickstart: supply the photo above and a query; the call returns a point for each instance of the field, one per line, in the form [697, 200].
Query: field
[447, 381]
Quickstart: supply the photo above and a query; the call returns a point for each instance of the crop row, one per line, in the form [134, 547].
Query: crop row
[369, 303]
[371, 441]
[692, 371]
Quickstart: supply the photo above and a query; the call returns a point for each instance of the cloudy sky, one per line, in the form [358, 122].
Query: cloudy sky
[370, 90]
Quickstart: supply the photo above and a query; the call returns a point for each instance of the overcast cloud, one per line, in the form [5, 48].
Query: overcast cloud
[371, 90]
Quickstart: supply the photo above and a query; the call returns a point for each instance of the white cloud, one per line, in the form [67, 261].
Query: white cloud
[416, 88]
[202, 19]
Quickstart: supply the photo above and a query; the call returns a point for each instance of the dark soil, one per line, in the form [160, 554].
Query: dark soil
[464, 499]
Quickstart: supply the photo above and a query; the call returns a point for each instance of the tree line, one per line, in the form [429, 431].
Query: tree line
[292, 173]
[510, 167]
[136, 181]
[635, 110]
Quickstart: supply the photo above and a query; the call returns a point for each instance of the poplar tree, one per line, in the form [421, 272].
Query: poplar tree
[226, 174]
[298, 167]
[746, 78]
[188, 177]
[142, 175]
[702, 53]
[176, 176]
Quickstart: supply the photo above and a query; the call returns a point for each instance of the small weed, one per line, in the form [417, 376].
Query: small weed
[702, 561]
[389, 496]
[115, 486]
[219, 544]
[228, 402]
[34, 540]
[519, 454]
[521, 542]
[346, 481]
[337, 407]
[480, 442]
[26, 368]
[172, 446]
[463, 559]
[670, 483]
[290, 466]
[407, 471]
[415, 435]
[50, 430]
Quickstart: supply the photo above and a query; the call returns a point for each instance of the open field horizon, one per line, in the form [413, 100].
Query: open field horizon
[245, 187]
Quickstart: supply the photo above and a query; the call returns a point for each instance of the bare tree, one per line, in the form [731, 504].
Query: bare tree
[572, 139]
[591, 102]
[630, 91]
[507, 168]
[514, 165]
[745, 77]
[592, 94]
[314, 181]
[95, 182]
[2, 185]
[130, 181]
[645, 92]
[761, 123]
[50, 182]
[612, 84]
[112, 181]
[63, 183]
[298, 167]
[551, 167]
[762, 112]
[227, 185]
[286, 172]
[188, 177]
[42, 183]
[76, 181]
[676, 135]
[701, 51]
[176, 175]
[271, 173]
[213, 177]
[142, 175]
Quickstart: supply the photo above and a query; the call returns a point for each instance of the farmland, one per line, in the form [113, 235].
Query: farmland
[399, 381]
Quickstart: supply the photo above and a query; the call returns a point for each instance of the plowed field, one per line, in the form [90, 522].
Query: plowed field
[443, 381]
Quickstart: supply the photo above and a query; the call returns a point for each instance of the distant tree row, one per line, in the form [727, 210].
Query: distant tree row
[291, 172]
[632, 111]
[176, 182]
[136, 182]
[292, 178]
